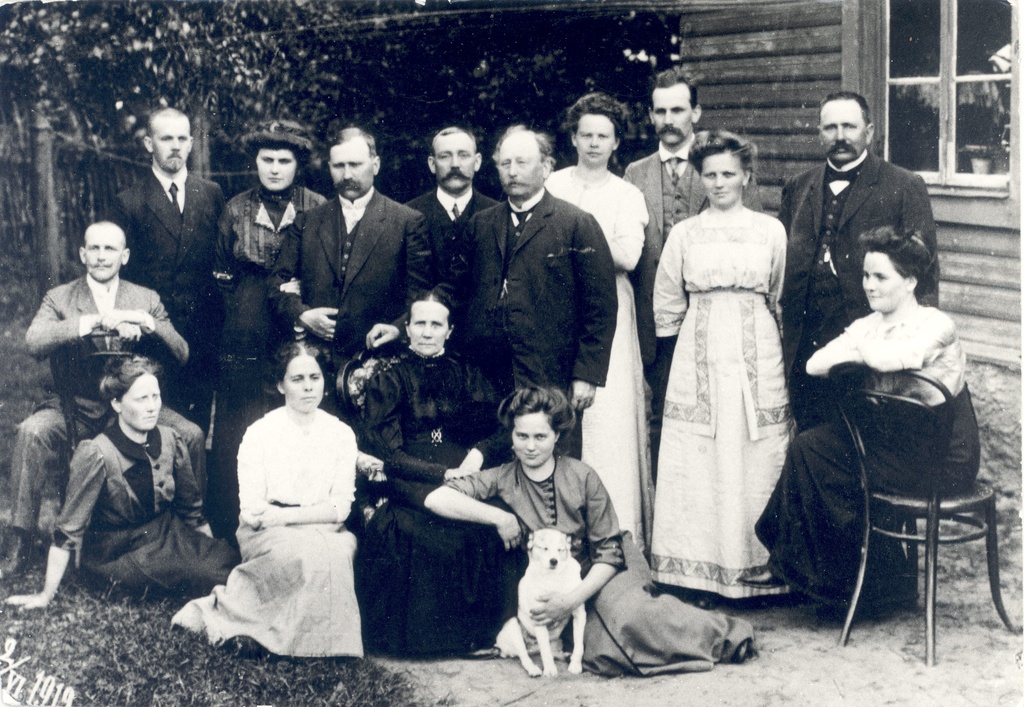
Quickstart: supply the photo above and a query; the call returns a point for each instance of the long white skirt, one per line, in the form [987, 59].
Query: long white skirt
[294, 593]
[615, 433]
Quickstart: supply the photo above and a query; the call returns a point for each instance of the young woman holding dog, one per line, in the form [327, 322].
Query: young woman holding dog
[630, 629]
[294, 593]
[424, 582]
[133, 511]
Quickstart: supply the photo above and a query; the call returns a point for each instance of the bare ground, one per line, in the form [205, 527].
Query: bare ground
[800, 663]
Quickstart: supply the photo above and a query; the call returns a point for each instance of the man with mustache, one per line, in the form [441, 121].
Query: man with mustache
[170, 217]
[824, 210]
[536, 284]
[674, 192]
[454, 161]
[359, 257]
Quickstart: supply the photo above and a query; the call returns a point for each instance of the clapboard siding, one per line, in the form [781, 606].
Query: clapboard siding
[988, 340]
[781, 121]
[974, 269]
[781, 94]
[801, 42]
[770, 68]
[983, 241]
[759, 19]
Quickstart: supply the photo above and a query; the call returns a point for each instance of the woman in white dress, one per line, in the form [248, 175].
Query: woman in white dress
[294, 592]
[727, 418]
[615, 435]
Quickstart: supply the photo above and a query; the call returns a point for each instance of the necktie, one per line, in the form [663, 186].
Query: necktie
[173, 191]
[673, 169]
[455, 212]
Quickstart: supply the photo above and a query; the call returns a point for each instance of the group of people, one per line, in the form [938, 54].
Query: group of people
[544, 361]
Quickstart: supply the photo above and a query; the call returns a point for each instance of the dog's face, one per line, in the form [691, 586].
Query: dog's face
[549, 548]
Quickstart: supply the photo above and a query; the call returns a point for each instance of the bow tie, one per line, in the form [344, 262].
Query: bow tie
[834, 175]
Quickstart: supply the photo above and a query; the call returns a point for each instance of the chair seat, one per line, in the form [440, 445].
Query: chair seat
[967, 501]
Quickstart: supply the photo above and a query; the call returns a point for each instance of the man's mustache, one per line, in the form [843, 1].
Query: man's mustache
[669, 130]
[345, 184]
[840, 146]
[454, 173]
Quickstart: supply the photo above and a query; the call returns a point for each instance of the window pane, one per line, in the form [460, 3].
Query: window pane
[982, 124]
[983, 29]
[914, 127]
[913, 38]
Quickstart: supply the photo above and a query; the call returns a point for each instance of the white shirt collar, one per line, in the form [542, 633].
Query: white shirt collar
[849, 165]
[357, 204]
[682, 153]
[166, 181]
[103, 294]
[448, 201]
[529, 203]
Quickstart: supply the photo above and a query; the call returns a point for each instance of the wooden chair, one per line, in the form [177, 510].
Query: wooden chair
[876, 414]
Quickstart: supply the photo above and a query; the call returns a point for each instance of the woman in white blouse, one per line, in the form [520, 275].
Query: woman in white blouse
[615, 434]
[294, 593]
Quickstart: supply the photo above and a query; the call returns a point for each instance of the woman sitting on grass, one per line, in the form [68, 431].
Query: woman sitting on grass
[294, 592]
[631, 629]
[133, 512]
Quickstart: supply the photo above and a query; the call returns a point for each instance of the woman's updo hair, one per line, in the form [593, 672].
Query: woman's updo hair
[290, 350]
[907, 252]
[597, 103]
[121, 373]
[722, 142]
[434, 295]
[526, 401]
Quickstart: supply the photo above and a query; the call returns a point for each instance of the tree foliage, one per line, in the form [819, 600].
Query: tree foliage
[96, 68]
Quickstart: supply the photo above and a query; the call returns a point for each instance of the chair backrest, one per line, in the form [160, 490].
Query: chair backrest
[901, 421]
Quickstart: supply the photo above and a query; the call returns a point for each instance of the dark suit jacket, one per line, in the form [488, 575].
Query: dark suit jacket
[560, 301]
[174, 254]
[443, 233]
[54, 332]
[646, 174]
[389, 263]
[882, 195]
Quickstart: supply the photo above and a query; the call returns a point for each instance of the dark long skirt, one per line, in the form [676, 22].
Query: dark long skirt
[163, 554]
[428, 585]
[634, 630]
[813, 524]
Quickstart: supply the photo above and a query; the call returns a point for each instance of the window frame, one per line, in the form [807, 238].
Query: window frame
[947, 177]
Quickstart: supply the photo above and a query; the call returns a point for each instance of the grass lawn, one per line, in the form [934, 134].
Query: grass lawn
[121, 650]
[115, 649]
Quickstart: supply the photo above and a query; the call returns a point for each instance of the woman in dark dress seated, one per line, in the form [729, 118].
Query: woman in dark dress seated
[814, 522]
[133, 512]
[425, 583]
[631, 629]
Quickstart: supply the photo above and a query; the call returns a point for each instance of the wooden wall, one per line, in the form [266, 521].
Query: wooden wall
[762, 72]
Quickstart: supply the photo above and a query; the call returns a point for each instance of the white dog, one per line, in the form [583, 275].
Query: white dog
[552, 569]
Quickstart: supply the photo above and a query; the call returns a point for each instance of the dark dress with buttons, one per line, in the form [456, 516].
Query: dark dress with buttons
[429, 585]
[132, 511]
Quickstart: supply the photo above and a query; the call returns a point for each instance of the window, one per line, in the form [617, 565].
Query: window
[948, 79]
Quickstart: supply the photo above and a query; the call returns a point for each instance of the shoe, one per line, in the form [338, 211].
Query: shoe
[244, 647]
[744, 651]
[19, 547]
[762, 579]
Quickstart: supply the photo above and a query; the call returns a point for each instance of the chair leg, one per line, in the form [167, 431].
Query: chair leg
[992, 556]
[844, 637]
[931, 551]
